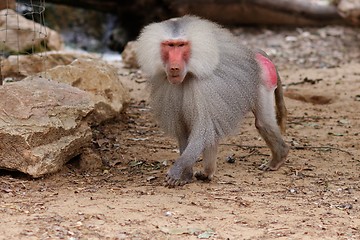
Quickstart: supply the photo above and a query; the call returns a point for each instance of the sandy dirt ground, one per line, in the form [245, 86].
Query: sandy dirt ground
[315, 195]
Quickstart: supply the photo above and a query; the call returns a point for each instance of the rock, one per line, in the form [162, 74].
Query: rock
[129, 56]
[20, 35]
[98, 78]
[136, 82]
[42, 125]
[20, 66]
[350, 10]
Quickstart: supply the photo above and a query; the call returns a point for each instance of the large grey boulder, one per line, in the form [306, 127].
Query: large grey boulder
[100, 79]
[42, 125]
[20, 66]
[19, 35]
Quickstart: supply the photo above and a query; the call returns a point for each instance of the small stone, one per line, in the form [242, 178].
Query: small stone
[168, 214]
[129, 56]
[291, 39]
[230, 159]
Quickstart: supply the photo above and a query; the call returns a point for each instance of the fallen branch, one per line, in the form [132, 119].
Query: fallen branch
[292, 147]
[306, 80]
[325, 148]
[300, 7]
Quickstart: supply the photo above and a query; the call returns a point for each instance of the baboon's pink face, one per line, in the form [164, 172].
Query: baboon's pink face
[175, 55]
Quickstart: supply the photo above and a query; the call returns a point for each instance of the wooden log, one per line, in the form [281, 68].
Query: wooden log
[269, 12]
[229, 12]
[7, 4]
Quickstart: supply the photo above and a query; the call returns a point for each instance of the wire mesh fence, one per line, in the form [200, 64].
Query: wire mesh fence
[22, 33]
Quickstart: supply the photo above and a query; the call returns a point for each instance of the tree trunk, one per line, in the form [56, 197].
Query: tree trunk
[279, 12]
[7, 4]
[283, 12]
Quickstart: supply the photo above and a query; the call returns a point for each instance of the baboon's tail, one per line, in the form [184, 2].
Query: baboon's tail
[281, 111]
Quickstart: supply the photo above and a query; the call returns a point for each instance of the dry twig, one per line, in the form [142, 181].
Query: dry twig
[292, 147]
